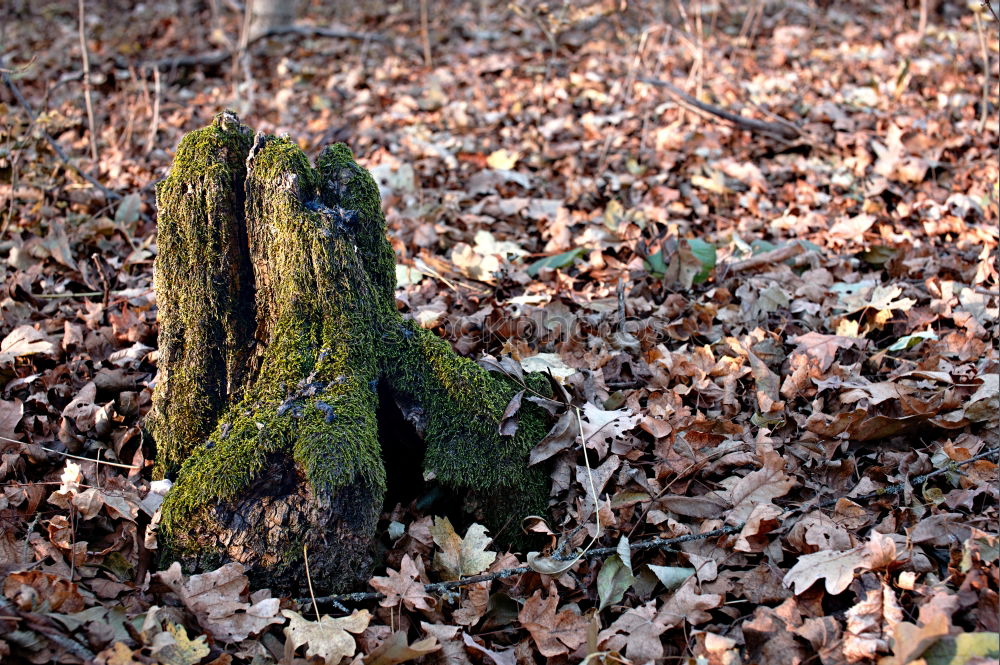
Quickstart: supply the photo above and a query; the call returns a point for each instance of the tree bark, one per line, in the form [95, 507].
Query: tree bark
[276, 283]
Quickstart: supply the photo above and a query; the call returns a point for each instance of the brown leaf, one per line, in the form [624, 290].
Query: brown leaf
[838, 568]
[403, 586]
[708, 506]
[688, 605]
[636, 633]
[910, 641]
[397, 649]
[562, 435]
[870, 623]
[554, 633]
[458, 556]
[753, 535]
[823, 347]
[220, 601]
[757, 487]
[328, 638]
[35, 590]
[10, 415]
[508, 423]
[25, 341]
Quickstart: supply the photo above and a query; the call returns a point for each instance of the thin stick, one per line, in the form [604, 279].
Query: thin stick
[767, 258]
[989, 6]
[782, 131]
[155, 125]
[85, 459]
[309, 579]
[86, 83]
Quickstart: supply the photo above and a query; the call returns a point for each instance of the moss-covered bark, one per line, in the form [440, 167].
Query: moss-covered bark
[204, 285]
[289, 454]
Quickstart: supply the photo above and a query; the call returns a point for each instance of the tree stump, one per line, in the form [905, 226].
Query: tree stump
[279, 338]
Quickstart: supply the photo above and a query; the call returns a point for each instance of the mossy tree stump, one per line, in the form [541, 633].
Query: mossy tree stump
[278, 334]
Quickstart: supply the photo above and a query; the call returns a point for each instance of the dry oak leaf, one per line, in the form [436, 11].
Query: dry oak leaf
[823, 347]
[220, 601]
[328, 638]
[636, 633]
[870, 622]
[460, 556]
[910, 641]
[838, 568]
[686, 604]
[10, 415]
[600, 427]
[403, 586]
[756, 488]
[554, 633]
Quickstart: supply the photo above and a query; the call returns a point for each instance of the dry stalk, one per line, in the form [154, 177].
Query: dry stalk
[86, 82]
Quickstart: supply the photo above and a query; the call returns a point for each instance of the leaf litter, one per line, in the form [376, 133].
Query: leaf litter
[783, 354]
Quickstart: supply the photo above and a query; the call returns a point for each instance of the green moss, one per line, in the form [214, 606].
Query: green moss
[312, 398]
[203, 280]
[323, 276]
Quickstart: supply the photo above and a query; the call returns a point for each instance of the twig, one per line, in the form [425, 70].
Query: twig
[767, 258]
[783, 131]
[155, 124]
[86, 83]
[989, 6]
[651, 544]
[319, 31]
[84, 459]
[109, 193]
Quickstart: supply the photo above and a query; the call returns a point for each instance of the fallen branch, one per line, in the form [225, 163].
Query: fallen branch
[785, 131]
[766, 258]
[337, 600]
[318, 31]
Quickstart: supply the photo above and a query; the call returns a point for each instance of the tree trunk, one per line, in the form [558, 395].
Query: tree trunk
[279, 332]
[267, 14]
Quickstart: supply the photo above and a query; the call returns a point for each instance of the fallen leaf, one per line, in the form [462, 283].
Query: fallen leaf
[554, 633]
[613, 581]
[328, 638]
[397, 649]
[403, 586]
[503, 159]
[173, 647]
[459, 557]
[220, 601]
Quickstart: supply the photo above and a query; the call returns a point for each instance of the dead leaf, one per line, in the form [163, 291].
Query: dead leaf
[554, 633]
[460, 557]
[403, 586]
[10, 415]
[221, 602]
[397, 649]
[687, 605]
[25, 341]
[329, 638]
[173, 647]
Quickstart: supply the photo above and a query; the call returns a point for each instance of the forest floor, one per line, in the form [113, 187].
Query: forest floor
[779, 330]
